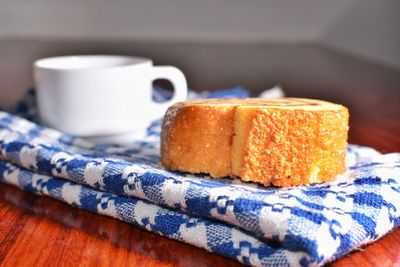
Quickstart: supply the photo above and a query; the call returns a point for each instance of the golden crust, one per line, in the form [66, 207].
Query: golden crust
[286, 142]
[198, 139]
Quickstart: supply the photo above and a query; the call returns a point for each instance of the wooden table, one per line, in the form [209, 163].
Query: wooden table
[37, 231]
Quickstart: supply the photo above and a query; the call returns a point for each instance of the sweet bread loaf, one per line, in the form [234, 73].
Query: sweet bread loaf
[283, 142]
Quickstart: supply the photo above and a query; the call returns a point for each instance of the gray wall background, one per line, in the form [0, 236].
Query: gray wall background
[211, 40]
[368, 28]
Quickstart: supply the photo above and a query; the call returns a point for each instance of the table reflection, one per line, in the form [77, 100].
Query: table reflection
[121, 235]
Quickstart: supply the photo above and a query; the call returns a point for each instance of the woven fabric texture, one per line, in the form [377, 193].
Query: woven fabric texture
[297, 226]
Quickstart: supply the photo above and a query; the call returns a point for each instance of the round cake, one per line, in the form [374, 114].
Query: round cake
[283, 142]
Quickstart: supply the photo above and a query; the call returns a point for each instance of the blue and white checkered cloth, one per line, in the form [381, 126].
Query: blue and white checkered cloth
[297, 226]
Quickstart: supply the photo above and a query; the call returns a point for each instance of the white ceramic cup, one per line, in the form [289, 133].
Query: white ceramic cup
[101, 95]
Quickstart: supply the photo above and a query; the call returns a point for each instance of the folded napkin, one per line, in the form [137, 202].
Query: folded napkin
[297, 226]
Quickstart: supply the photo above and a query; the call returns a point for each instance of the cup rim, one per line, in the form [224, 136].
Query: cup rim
[56, 63]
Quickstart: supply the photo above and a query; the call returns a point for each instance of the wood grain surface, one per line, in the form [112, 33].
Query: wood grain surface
[39, 231]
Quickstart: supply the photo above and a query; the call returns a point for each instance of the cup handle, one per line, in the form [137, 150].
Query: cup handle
[178, 80]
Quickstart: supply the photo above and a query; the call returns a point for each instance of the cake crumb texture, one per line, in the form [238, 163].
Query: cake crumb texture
[284, 142]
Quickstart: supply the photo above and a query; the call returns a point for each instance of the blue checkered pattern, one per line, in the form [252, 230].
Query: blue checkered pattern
[297, 226]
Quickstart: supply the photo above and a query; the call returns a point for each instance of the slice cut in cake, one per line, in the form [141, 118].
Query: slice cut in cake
[284, 142]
